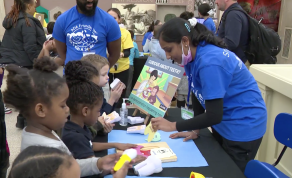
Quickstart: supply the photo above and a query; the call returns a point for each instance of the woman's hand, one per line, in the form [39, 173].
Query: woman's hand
[122, 55]
[187, 135]
[160, 123]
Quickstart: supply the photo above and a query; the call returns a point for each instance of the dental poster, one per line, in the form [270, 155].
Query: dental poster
[156, 86]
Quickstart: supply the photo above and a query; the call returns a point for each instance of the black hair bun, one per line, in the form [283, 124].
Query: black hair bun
[45, 64]
[75, 72]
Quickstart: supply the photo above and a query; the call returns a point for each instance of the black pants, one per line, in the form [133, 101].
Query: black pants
[4, 155]
[240, 152]
[3, 167]
[124, 77]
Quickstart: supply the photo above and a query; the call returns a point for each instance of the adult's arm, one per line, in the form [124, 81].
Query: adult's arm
[233, 28]
[114, 49]
[127, 52]
[212, 116]
[61, 49]
[29, 37]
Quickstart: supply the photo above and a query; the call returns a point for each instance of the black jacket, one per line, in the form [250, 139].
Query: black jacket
[21, 44]
[235, 31]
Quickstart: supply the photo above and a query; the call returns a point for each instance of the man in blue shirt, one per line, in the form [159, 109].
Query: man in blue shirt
[87, 29]
[234, 31]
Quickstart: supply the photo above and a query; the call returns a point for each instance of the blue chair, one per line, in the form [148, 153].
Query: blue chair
[283, 133]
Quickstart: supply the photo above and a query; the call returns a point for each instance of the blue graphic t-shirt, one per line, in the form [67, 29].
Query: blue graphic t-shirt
[81, 32]
[209, 23]
[218, 73]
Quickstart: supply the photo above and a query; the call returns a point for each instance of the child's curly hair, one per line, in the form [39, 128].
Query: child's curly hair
[82, 92]
[26, 87]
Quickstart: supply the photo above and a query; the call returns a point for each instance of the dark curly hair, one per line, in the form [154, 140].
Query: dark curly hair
[27, 87]
[82, 92]
[50, 27]
[186, 15]
[47, 160]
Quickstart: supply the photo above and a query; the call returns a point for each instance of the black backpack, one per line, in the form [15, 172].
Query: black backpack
[264, 43]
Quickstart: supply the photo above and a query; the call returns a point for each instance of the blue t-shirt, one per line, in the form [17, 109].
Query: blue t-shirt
[209, 23]
[218, 73]
[75, 30]
[145, 38]
[134, 53]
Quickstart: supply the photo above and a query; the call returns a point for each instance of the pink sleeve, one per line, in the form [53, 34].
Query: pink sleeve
[7, 148]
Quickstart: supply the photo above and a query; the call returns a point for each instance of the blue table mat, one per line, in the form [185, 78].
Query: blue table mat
[111, 176]
[188, 154]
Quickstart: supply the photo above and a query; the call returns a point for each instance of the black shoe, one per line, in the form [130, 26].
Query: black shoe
[20, 122]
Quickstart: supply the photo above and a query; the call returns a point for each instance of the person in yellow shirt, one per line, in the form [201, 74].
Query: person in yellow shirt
[121, 69]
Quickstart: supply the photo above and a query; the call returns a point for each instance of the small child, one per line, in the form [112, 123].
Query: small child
[50, 28]
[47, 162]
[102, 66]
[85, 101]
[41, 95]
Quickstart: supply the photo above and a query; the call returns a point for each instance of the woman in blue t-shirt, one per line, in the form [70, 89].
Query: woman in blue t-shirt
[204, 10]
[223, 87]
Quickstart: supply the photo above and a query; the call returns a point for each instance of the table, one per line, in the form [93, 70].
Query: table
[220, 164]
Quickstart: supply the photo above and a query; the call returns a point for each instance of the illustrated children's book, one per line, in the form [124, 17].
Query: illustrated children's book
[156, 86]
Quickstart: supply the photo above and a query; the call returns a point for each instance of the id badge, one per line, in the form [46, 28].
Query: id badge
[186, 114]
[88, 53]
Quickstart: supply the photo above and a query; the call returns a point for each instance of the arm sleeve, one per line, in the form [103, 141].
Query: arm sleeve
[30, 40]
[107, 108]
[197, 107]
[88, 166]
[146, 46]
[127, 53]
[233, 28]
[213, 116]
[78, 145]
[114, 32]
[58, 32]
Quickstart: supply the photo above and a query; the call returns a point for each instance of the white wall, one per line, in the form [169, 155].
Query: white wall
[2, 15]
[285, 21]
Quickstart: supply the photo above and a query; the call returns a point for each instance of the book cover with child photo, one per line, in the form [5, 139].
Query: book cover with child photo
[156, 86]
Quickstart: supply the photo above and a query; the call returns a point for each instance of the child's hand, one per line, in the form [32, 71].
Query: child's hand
[48, 45]
[108, 127]
[1, 71]
[117, 92]
[124, 146]
[122, 173]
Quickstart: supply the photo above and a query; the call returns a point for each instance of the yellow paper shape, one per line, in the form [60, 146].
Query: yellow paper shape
[149, 130]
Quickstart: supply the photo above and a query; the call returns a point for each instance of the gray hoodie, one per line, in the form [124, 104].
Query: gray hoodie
[21, 43]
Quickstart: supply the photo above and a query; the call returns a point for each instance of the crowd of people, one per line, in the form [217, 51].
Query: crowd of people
[94, 48]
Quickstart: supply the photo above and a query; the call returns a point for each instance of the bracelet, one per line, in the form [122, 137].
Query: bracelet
[194, 132]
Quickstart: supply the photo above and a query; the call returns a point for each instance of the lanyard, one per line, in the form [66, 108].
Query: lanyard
[189, 91]
[83, 31]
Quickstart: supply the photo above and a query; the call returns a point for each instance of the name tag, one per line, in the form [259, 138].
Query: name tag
[187, 114]
[88, 53]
